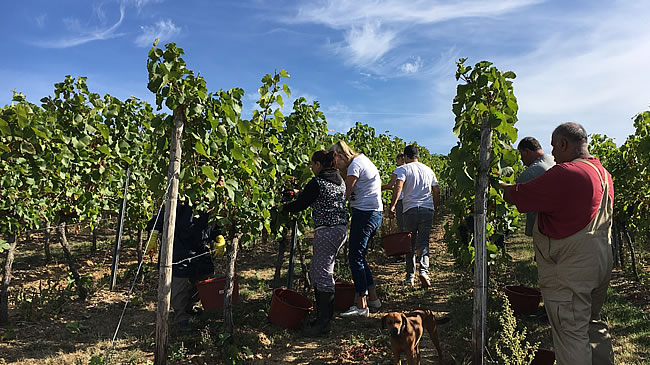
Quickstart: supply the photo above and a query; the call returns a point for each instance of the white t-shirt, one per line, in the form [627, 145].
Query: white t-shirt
[418, 179]
[401, 195]
[367, 191]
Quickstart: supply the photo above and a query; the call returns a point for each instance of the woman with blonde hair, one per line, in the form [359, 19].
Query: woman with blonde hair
[363, 191]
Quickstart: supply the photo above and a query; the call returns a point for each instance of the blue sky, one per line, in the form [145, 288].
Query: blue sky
[387, 63]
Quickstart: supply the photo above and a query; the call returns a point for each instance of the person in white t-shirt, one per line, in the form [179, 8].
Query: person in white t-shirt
[399, 161]
[363, 191]
[420, 203]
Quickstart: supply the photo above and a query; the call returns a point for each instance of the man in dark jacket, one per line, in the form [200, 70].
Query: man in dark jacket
[192, 237]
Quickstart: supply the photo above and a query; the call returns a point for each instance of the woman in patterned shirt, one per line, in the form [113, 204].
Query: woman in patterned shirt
[325, 193]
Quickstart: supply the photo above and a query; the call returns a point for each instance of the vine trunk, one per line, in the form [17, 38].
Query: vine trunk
[6, 280]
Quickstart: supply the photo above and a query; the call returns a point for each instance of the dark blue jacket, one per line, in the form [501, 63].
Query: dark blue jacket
[192, 237]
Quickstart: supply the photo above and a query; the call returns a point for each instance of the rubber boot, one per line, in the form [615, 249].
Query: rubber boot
[317, 309]
[328, 306]
[321, 327]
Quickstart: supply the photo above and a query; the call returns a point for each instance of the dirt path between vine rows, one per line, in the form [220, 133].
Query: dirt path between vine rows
[361, 340]
[50, 327]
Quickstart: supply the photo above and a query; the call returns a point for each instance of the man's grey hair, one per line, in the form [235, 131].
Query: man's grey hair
[574, 132]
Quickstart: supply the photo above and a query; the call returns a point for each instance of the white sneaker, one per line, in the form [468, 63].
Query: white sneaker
[424, 280]
[355, 312]
[409, 281]
[374, 304]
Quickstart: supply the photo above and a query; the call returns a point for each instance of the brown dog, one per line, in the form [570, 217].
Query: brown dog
[406, 330]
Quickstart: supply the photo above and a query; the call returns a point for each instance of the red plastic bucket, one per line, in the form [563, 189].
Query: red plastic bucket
[343, 295]
[211, 292]
[523, 300]
[396, 244]
[289, 308]
[543, 357]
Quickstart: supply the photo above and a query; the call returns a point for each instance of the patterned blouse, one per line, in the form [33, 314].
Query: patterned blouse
[325, 193]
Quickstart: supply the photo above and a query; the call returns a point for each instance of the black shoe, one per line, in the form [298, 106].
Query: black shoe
[318, 329]
[321, 326]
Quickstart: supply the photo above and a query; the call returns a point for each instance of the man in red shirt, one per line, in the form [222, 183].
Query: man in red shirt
[572, 241]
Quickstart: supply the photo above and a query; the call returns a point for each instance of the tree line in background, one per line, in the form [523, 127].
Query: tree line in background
[629, 166]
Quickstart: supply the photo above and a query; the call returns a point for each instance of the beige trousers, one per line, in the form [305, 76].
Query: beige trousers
[574, 274]
[183, 297]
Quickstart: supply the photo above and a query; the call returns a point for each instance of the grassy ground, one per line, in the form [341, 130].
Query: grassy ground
[626, 310]
[50, 327]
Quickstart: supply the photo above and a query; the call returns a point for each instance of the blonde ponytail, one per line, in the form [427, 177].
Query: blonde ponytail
[342, 149]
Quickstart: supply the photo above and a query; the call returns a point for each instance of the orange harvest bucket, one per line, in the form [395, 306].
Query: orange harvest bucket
[289, 308]
[396, 244]
[211, 292]
[523, 300]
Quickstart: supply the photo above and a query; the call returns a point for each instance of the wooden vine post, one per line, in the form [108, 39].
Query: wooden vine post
[480, 254]
[231, 257]
[486, 112]
[292, 254]
[118, 234]
[167, 245]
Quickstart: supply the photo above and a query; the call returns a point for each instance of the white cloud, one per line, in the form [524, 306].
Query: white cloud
[367, 43]
[340, 14]
[139, 4]
[593, 77]
[83, 35]
[412, 67]
[373, 28]
[98, 10]
[164, 30]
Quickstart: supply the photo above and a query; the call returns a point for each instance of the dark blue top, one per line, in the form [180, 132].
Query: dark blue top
[192, 237]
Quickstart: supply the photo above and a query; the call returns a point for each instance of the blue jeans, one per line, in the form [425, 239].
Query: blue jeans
[419, 222]
[363, 226]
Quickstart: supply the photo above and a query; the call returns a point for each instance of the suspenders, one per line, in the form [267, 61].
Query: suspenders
[603, 183]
